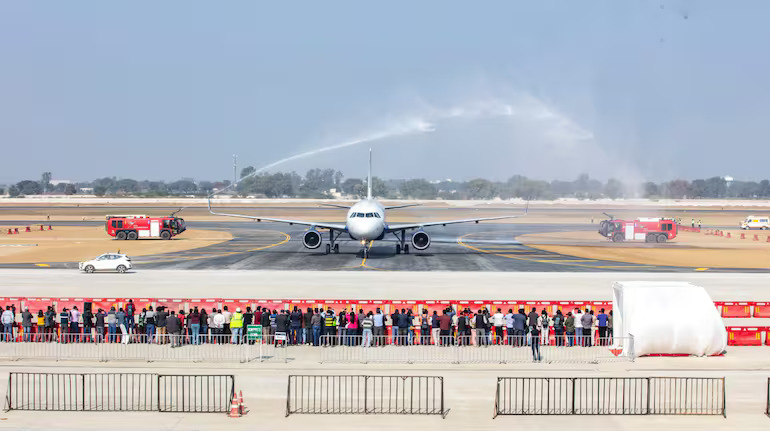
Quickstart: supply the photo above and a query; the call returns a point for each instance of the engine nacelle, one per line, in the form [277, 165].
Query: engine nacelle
[311, 239]
[420, 240]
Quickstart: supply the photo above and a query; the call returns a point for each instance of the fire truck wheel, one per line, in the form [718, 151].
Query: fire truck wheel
[121, 235]
[165, 234]
[618, 237]
[132, 235]
[662, 238]
[650, 238]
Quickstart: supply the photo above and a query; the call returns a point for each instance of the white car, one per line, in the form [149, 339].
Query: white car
[107, 262]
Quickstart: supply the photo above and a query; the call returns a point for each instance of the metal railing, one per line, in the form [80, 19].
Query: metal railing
[610, 396]
[357, 349]
[767, 405]
[132, 392]
[406, 395]
[195, 393]
[140, 347]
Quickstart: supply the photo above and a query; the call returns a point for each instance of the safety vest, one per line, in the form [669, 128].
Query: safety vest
[236, 320]
[331, 322]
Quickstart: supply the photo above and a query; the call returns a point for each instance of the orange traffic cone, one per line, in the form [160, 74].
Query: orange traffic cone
[235, 409]
[41, 227]
[49, 227]
[243, 410]
[15, 230]
[743, 236]
[28, 229]
[756, 237]
[728, 235]
[10, 232]
[768, 238]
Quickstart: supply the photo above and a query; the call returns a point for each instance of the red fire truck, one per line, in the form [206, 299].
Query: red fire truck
[647, 229]
[142, 226]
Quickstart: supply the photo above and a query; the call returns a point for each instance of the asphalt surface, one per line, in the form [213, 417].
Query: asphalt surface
[464, 247]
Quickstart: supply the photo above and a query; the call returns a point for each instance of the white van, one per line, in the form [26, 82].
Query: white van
[756, 222]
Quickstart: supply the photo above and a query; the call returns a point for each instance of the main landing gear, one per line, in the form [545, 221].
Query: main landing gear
[332, 247]
[402, 245]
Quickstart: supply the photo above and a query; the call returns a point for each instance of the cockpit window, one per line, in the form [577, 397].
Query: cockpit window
[377, 215]
[370, 214]
[359, 214]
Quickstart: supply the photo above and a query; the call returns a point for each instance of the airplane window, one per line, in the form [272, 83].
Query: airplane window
[352, 215]
[369, 215]
[377, 215]
[359, 214]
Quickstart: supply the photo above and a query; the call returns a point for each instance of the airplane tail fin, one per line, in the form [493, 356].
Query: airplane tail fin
[369, 181]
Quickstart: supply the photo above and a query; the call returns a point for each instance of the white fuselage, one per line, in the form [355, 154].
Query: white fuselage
[366, 220]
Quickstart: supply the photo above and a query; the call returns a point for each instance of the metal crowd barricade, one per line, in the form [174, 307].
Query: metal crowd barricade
[355, 394]
[140, 347]
[195, 393]
[610, 396]
[132, 392]
[353, 349]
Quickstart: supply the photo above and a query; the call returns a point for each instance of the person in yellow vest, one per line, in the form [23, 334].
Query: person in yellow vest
[330, 327]
[236, 326]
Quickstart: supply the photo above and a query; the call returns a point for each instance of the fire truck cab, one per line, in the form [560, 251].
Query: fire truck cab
[142, 226]
[647, 229]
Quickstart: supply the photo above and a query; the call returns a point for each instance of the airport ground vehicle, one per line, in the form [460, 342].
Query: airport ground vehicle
[142, 226]
[107, 262]
[756, 222]
[647, 229]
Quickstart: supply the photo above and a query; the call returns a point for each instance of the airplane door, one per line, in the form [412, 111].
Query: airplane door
[154, 228]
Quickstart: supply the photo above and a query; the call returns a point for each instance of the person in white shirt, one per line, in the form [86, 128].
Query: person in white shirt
[544, 323]
[509, 325]
[219, 325]
[7, 320]
[498, 320]
[578, 327]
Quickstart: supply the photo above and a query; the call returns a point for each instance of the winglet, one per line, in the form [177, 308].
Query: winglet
[369, 181]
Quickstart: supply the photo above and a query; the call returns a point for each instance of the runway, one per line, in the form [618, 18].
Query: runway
[467, 247]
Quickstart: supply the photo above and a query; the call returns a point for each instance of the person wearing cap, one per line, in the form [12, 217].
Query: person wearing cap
[236, 325]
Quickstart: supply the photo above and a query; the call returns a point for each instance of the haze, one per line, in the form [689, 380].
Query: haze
[162, 90]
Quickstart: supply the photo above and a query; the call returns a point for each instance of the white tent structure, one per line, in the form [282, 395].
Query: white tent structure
[667, 318]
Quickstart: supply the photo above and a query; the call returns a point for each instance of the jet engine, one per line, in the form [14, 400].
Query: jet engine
[420, 240]
[311, 239]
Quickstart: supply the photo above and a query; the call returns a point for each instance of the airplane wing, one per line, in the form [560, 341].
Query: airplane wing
[397, 227]
[321, 225]
[401, 206]
[347, 207]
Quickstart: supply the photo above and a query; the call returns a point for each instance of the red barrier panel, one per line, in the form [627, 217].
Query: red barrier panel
[735, 309]
[234, 304]
[371, 305]
[744, 336]
[270, 304]
[762, 309]
[61, 303]
[207, 304]
[566, 306]
[431, 306]
[406, 305]
[34, 304]
[105, 304]
[502, 305]
[598, 305]
[172, 304]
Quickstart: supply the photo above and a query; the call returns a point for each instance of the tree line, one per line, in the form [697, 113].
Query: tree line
[319, 183]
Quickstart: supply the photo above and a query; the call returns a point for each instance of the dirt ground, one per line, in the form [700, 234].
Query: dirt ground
[69, 243]
[697, 250]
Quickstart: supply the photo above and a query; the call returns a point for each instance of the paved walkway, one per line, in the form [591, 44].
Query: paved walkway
[469, 395]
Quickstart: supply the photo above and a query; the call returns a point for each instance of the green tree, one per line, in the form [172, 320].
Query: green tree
[100, 190]
[614, 189]
[248, 170]
[418, 189]
[481, 189]
[45, 181]
[69, 189]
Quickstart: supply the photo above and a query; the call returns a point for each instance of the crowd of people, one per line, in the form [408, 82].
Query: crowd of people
[313, 326]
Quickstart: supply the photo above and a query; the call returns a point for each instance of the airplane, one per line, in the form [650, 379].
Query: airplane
[365, 223]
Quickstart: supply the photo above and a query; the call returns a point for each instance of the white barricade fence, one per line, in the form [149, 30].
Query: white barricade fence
[498, 350]
[140, 347]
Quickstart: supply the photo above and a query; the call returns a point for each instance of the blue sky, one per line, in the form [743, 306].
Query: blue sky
[161, 90]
